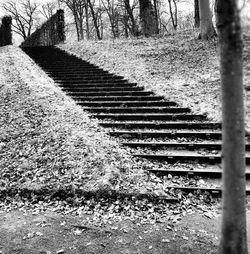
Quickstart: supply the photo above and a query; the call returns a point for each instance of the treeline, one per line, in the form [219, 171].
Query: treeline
[98, 19]
[5, 31]
[102, 19]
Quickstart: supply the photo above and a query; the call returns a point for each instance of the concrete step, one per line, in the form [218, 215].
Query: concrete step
[91, 81]
[173, 110]
[109, 93]
[97, 85]
[126, 103]
[80, 79]
[207, 135]
[191, 146]
[161, 125]
[103, 89]
[117, 98]
[186, 156]
[150, 116]
[212, 173]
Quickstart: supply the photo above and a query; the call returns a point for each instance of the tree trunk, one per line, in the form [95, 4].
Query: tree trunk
[196, 14]
[206, 24]
[233, 240]
[156, 16]
[147, 16]
[81, 30]
[87, 19]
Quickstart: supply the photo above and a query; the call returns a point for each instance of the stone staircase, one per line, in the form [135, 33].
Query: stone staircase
[155, 128]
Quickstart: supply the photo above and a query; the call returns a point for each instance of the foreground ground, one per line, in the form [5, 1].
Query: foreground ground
[50, 232]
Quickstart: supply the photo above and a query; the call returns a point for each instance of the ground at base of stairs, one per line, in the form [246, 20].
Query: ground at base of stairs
[26, 233]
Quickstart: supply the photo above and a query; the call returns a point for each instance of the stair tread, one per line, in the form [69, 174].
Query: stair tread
[215, 170]
[137, 102]
[145, 114]
[169, 107]
[175, 143]
[174, 131]
[184, 153]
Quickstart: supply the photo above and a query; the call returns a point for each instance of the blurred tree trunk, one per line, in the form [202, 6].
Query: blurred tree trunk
[206, 24]
[196, 14]
[87, 19]
[233, 240]
[147, 16]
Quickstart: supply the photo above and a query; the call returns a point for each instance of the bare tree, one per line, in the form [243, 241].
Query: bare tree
[111, 9]
[206, 24]
[87, 19]
[234, 239]
[130, 17]
[48, 9]
[24, 14]
[96, 14]
[173, 13]
[77, 8]
[147, 16]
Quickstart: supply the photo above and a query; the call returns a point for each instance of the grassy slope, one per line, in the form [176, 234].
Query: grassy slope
[180, 67]
[47, 140]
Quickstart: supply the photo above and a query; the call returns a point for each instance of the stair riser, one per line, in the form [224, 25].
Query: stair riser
[193, 159]
[162, 126]
[83, 76]
[204, 136]
[107, 98]
[73, 73]
[68, 65]
[95, 87]
[69, 69]
[90, 94]
[191, 174]
[126, 104]
[138, 110]
[104, 89]
[149, 118]
[98, 79]
[179, 146]
[92, 81]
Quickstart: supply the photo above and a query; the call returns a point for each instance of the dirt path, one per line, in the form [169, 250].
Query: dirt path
[49, 233]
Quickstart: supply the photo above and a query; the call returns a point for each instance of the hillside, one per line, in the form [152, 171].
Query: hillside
[179, 67]
[48, 142]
